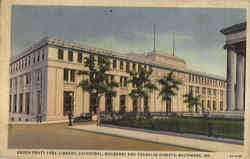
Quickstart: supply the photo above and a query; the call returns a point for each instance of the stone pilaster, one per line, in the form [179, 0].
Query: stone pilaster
[239, 82]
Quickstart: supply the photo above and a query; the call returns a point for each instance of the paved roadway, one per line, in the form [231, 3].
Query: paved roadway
[58, 136]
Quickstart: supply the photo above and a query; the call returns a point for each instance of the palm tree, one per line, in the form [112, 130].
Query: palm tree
[142, 85]
[169, 87]
[192, 101]
[97, 83]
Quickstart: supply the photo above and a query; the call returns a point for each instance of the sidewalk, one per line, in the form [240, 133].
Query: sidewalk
[164, 138]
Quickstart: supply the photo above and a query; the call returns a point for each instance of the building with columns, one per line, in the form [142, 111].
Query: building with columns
[44, 80]
[236, 63]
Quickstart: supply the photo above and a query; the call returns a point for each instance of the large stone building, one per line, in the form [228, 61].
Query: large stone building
[44, 79]
[236, 66]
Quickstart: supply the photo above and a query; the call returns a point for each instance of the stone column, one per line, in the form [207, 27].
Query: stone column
[230, 79]
[239, 82]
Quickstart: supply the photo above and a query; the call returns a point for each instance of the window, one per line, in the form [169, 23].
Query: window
[21, 103]
[66, 75]
[197, 90]
[127, 67]
[29, 61]
[39, 75]
[203, 105]
[135, 107]
[150, 68]
[108, 103]
[121, 65]
[139, 67]
[134, 67]
[15, 100]
[208, 105]
[70, 56]
[27, 78]
[190, 88]
[221, 105]
[72, 76]
[27, 101]
[79, 57]
[43, 56]
[100, 60]
[114, 64]
[38, 57]
[146, 109]
[214, 105]
[209, 91]
[34, 60]
[122, 103]
[39, 102]
[125, 81]
[221, 93]
[121, 81]
[204, 91]
[215, 92]
[68, 104]
[10, 103]
[60, 54]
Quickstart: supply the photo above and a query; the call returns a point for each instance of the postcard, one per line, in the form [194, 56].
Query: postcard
[108, 79]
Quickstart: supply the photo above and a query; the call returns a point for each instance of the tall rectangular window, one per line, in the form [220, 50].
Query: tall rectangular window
[72, 75]
[209, 91]
[21, 103]
[27, 101]
[134, 67]
[146, 108]
[127, 67]
[214, 105]
[221, 105]
[10, 103]
[60, 54]
[79, 57]
[114, 63]
[121, 65]
[99, 60]
[139, 67]
[204, 91]
[66, 75]
[15, 103]
[39, 75]
[122, 103]
[39, 102]
[70, 56]
[68, 104]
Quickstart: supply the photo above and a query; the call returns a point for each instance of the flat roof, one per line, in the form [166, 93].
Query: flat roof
[234, 28]
[72, 45]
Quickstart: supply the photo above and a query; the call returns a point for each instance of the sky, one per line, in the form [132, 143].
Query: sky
[130, 29]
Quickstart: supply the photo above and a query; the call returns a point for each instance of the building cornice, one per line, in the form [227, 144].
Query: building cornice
[109, 53]
[234, 28]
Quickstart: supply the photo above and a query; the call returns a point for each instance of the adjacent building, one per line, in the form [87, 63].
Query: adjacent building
[44, 80]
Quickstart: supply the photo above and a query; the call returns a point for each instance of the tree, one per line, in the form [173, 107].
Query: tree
[98, 83]
[169, 87]
[192, 101]
[142, 85]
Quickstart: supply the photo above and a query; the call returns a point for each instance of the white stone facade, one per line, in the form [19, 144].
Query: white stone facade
[40, 69]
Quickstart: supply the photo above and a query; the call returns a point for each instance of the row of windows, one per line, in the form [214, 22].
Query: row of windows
[209, 91]
[211, 105]
[124, 65]
[24, 79]
[28, 61]
[204, 80]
